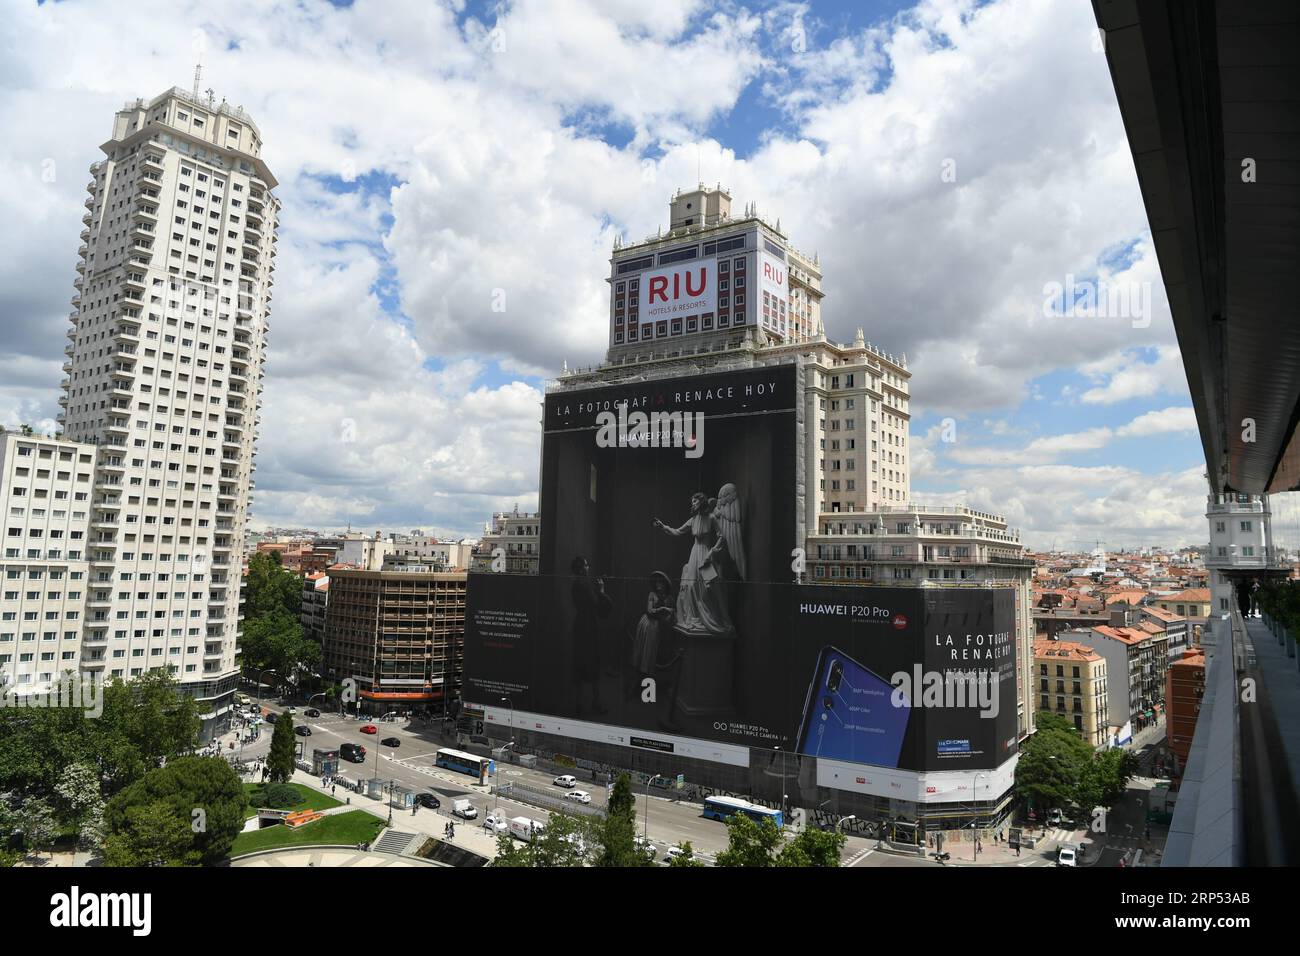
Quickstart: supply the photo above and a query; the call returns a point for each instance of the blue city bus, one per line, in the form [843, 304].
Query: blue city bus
[722, 808]
[462, 762]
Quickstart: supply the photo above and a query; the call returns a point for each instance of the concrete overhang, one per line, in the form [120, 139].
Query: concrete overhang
[1209, 93]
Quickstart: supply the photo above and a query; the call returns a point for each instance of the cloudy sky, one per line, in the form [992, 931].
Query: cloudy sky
[960, 168]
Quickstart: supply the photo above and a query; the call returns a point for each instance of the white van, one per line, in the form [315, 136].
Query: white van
[525, 829]
[567, 781]
[464, 809]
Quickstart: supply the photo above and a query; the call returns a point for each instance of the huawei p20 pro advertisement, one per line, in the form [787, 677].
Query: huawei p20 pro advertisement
[667, 600]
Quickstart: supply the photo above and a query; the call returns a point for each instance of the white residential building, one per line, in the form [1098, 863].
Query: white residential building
[164, 372]
[45, 491]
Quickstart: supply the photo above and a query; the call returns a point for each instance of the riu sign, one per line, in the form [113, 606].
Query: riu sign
[678, 291]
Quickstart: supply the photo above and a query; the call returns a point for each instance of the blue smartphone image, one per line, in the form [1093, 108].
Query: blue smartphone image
[850, 715]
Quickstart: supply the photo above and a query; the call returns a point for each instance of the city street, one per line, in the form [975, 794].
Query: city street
[412, 765]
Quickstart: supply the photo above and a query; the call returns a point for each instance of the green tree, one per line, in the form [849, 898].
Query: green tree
[78, 803]
[1055, 766]
[565, 841]
[36, 822]
[686, 857]
[150, 834]
[813, 847]
[269, 587]
[750, 842]
[618, 829]
[275, 641]
[145, 723]
[1112, 770]
[279, 763]
[512, 853]
[203, 794]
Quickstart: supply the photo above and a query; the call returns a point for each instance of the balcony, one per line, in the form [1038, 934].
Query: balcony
[152, 161]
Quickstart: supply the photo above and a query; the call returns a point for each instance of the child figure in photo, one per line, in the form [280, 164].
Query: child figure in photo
[650, 629]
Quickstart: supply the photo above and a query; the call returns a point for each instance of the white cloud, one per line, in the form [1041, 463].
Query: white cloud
[502, 186]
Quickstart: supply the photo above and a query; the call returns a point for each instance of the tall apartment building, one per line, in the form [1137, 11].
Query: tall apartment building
[45, 498]
[734, 279]
[717, 293]
[166, 346]
[400, 635]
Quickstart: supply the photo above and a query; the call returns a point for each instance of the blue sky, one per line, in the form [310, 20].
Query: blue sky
[436, 158]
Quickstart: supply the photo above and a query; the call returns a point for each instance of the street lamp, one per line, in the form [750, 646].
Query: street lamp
[783, 793]
[975, 815]
[496, 784]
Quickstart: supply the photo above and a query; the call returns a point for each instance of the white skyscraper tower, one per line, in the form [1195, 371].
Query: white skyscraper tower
[164, 375]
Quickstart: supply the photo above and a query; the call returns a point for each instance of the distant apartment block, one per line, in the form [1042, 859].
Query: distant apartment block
[400, 635]
[1072, 683]
[509, 543]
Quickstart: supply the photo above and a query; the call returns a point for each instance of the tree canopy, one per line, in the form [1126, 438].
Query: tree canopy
[187, 813]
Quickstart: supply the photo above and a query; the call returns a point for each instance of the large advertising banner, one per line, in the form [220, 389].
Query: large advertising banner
[666, 602]
[675, 292]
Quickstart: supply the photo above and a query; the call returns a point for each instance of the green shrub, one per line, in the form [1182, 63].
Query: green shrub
[281, 796]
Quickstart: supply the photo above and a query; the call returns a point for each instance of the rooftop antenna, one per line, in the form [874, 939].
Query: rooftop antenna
[198, 78]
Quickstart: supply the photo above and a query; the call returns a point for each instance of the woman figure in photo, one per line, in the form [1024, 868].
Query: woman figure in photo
[650, 630]
[701, 599]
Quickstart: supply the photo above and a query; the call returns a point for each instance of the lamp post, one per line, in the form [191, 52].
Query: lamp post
[974, 823]
[783, 793]
[496, 784]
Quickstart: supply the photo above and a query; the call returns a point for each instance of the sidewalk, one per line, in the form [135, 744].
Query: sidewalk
[470, 834]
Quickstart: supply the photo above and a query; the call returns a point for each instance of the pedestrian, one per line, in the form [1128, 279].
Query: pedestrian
[333, 789]
[1017, 850]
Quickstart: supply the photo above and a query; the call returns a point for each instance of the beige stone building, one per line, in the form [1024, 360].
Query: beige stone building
[1071, 683]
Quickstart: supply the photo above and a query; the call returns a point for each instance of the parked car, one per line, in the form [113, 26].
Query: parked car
[370, 729]
[1065, 856]
[463, 808]
[1055, 817]
[428, 800]
[646, 848]
[495, 823]
[566, 781]
[291, 710]
[578, 796]
[311, 712]
[391, 742]
[672, 853]
[270, 716]
[302, 730]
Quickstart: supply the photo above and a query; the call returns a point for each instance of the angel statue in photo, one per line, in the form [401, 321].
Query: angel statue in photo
[727, 514]
[701, 598]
